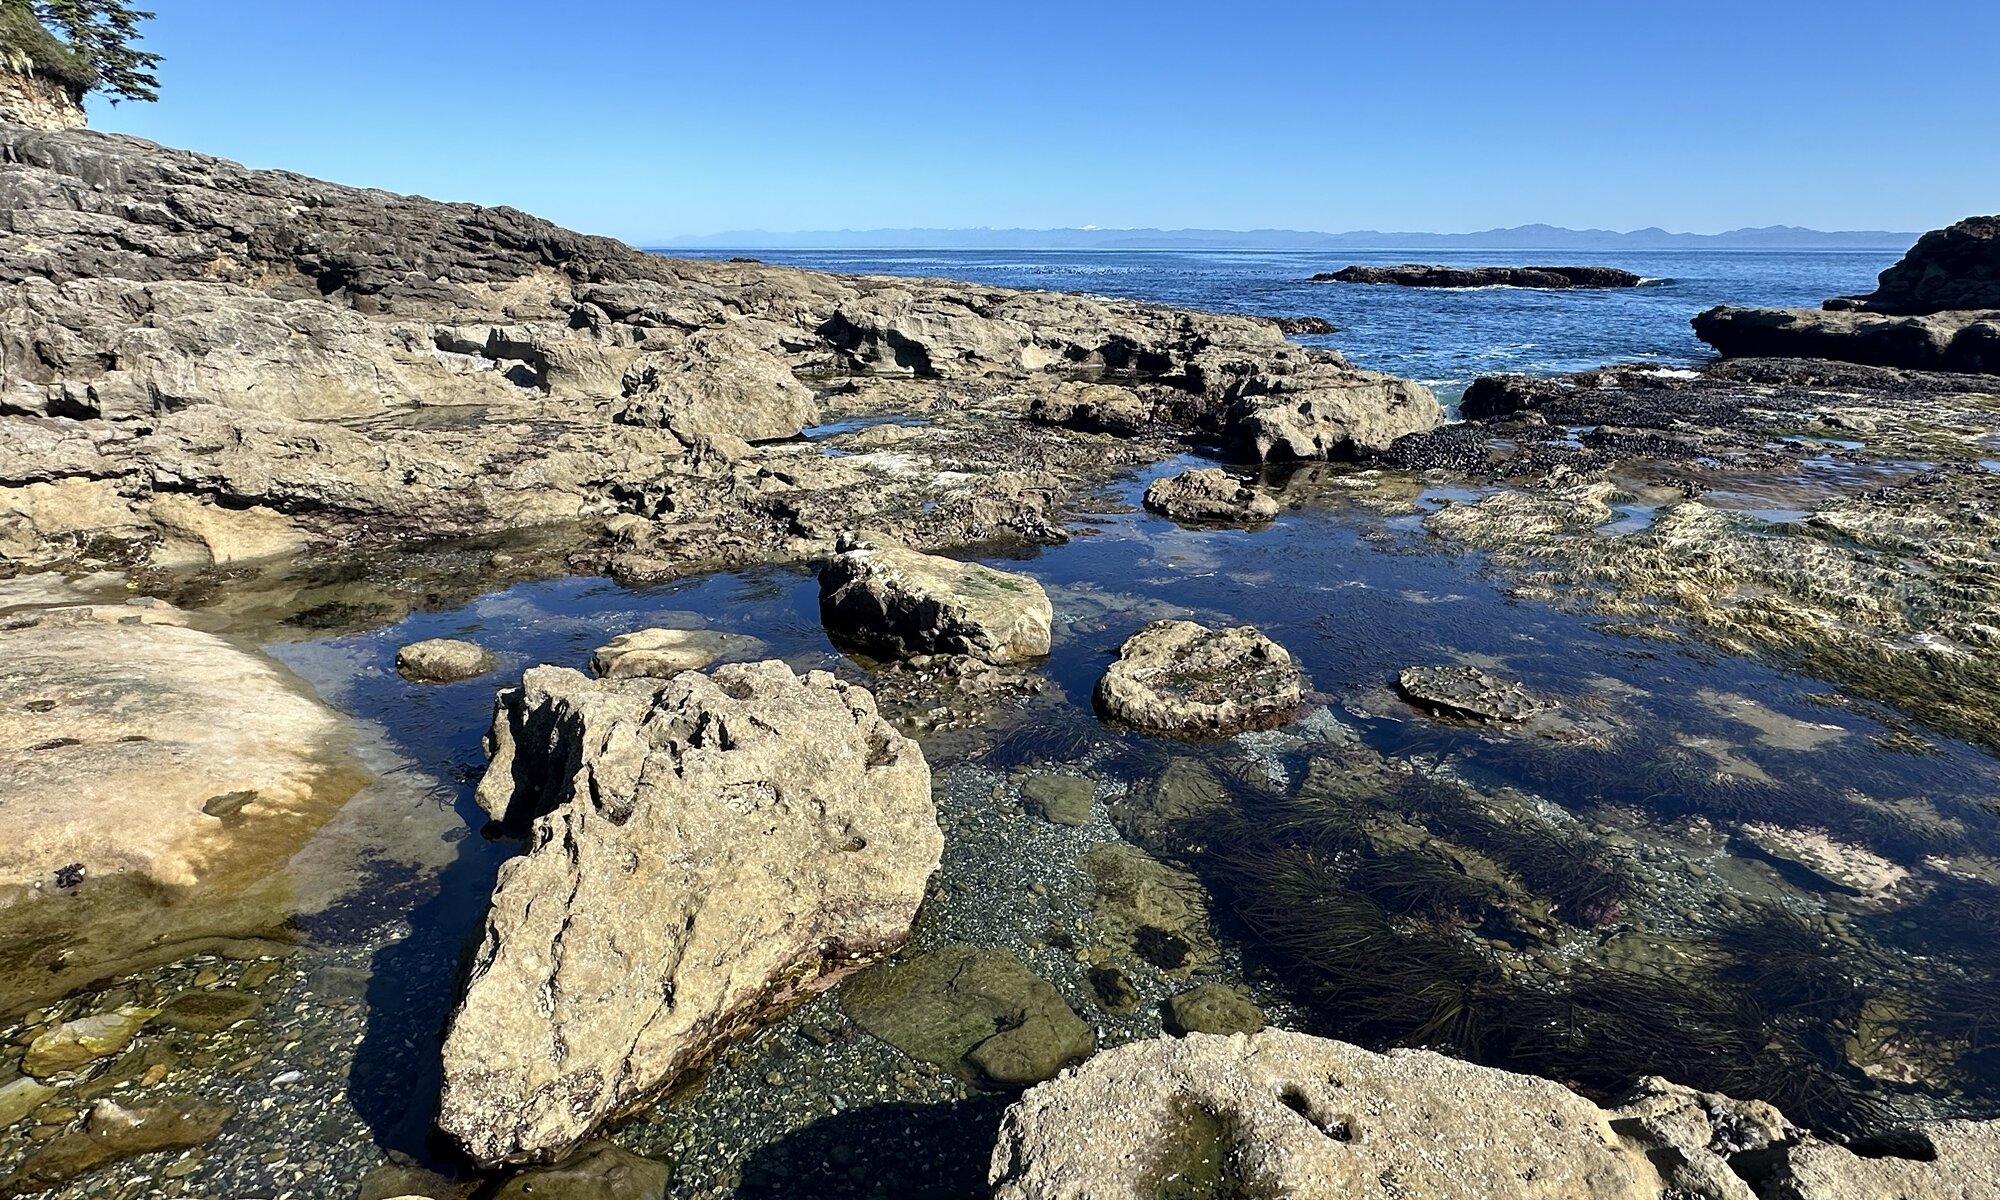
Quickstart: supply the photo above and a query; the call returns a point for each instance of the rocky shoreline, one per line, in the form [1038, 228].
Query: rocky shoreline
[209, 371]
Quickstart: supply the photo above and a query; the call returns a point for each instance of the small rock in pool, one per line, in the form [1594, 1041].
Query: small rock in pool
[600, 1171]
[115, 1131]
[1177, 677]
[1113, 991]
[76, 1044]
[208, 1012]
[1211, 495]
[1061, 799]
[1214, 1008]
[443, 660]
[1470, 694]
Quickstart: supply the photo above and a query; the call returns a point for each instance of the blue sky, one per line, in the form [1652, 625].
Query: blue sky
[647, 120]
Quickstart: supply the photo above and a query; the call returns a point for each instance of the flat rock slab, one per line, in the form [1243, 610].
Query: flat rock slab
[979, 1012]
[1209, 495]
[443, 660]
[1470, 694]
[898, 603]
[597, 1172]
[1421, 275]
[158, 780]
[1177, 677]
[704, 853]
[662, 653]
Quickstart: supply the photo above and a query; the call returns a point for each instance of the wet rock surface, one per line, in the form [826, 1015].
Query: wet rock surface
[113, 1131]
[751, 836]
[1209, 494]
[661, 653]
[898, 603]
[1181, 678]
[1469, 694]
[158, 779]
[1421, 275]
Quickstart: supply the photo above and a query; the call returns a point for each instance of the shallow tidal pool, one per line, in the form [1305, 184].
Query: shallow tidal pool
[1704, 867]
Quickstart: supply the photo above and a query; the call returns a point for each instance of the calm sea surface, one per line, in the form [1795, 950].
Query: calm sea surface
[1444, 338]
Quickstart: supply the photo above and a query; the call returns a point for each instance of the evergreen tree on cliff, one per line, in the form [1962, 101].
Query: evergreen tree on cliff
[82, 46]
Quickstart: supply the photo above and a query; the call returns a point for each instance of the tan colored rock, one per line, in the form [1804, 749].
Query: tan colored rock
[705, 853]
[76, 1044]
[21, 1097]
[899, 603]
[37, 103]
[115, 1131]
[158, 779]
[443, 660]
[661, 653]
[1934, 1160]
[1178, 677]
[1209, 494]
[1328, 413]
[1284, 1114]
[207, 533]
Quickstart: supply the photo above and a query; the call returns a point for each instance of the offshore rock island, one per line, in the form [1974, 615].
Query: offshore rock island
[855, 866]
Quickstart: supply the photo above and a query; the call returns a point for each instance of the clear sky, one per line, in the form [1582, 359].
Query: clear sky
[650, 119]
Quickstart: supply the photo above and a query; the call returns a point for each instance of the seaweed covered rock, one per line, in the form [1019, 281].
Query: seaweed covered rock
[1209, 494]
[1469, 694]
[899, 603]
[706, 852]
[1178, 677]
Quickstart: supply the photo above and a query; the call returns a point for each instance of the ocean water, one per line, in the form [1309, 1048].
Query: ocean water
[1444, 338]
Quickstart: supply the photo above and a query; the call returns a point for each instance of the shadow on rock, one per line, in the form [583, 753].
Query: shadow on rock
[910, 1151]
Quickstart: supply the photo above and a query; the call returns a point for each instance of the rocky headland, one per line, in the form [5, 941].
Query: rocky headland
[1938, 309]
[1422, 275]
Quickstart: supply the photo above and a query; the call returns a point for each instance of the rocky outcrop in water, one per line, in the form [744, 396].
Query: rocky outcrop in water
[1284, 1114]
[443, 660]
[1469, 694]
[1420, 275]
[704, 854]
[898, 603]
[1209, 494]
[157, 780]
[664, 653]
[1177, 677]
[316, 364]
[1937, 309]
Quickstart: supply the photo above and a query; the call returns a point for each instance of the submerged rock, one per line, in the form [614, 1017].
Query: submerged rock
[706, 852]
[116, 1131]
[1155, 913]
[1213, 1008]
[1177, 677]
[21, 1097]
[661, 653]
[1419, 275]
[597, 1172]
[1209, 494]
[900, 603]
[1469, 694]
[1060, 799]
[979, 1012]
[76, 1044]
[443, 660]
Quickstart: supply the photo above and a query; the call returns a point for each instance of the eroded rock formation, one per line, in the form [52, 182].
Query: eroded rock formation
[897, 603]
[705, 853]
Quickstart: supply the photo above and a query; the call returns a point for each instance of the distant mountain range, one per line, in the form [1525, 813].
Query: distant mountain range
[1520, 237]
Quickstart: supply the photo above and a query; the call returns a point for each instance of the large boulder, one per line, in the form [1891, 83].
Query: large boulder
[1209, 494]
[1178, 677]
[898, 603]
[1326, 414]
[157, 780]
[1957, 267]
[1937, 309]
[705, 853]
